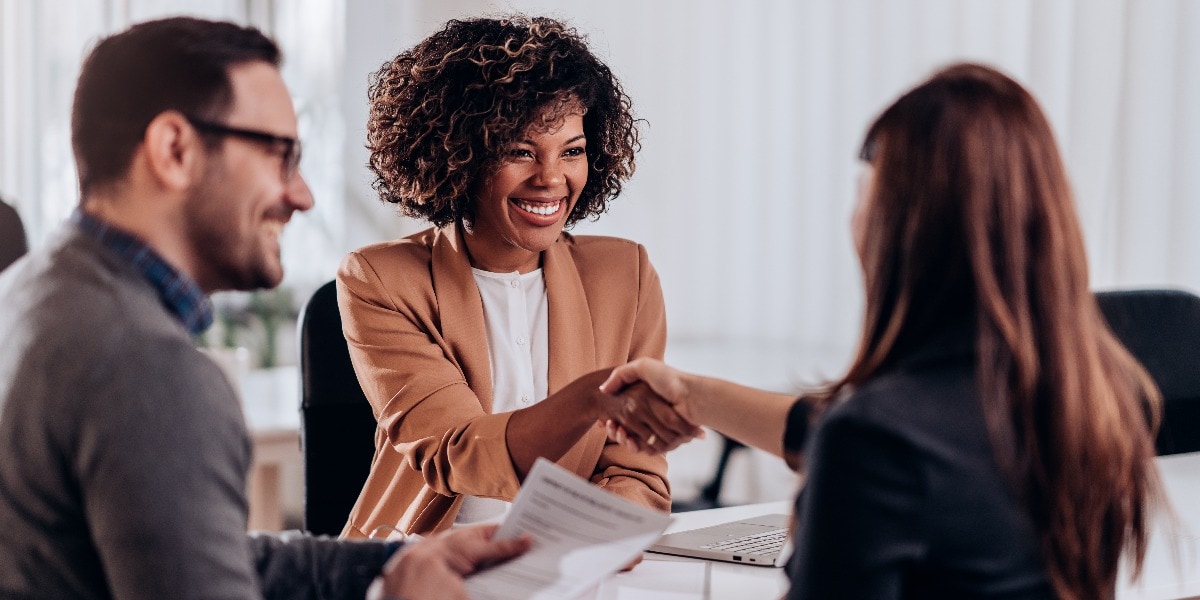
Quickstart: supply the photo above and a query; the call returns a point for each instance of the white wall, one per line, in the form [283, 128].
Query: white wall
[754, 110]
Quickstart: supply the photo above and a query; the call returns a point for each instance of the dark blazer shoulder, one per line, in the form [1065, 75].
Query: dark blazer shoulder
[936, 407]
[881, 398]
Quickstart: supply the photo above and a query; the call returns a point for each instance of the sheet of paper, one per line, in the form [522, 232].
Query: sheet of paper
[581, 534]
[655, 580]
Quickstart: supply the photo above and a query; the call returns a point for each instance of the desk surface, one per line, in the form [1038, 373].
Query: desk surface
[1172, 567]
[1164, 577]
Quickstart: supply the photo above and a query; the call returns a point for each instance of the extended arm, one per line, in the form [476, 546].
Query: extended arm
[550, 427]
[750, 415]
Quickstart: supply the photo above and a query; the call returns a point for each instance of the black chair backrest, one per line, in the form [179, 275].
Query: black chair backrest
[1162, 330]
[338, 427]
[12, 236]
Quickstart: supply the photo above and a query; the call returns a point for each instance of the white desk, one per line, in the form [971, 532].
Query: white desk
[1161, 578]
[1172, 568]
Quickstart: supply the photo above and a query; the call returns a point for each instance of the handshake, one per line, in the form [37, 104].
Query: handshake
[651, 407]
[648, 406]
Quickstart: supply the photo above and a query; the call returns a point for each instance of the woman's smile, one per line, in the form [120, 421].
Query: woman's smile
[542, 212]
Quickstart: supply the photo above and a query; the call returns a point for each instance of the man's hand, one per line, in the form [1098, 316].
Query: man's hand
[435, 567]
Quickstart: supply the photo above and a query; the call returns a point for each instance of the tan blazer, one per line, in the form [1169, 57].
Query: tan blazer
[413, 319]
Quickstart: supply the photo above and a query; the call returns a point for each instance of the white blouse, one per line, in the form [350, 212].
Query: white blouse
[516, 317]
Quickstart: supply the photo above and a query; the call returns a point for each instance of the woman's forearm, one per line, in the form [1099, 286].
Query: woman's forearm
[749, 415]
[550, 427]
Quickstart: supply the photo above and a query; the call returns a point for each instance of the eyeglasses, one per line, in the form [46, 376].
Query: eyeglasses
[290, 145]
[867, 153]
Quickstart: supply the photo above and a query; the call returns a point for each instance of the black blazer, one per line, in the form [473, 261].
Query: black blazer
[904, 498]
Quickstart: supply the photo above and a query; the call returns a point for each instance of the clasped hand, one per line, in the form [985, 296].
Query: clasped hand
[650, 409]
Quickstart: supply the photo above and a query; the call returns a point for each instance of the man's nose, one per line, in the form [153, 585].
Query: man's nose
[298, 194]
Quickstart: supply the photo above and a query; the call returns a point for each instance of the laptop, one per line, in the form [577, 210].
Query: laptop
[761, 541]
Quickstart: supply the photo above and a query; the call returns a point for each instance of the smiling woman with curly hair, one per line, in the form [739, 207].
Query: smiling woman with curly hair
[481, 342]
[444, 113]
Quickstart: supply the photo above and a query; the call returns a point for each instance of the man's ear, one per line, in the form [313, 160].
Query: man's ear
[174, 152]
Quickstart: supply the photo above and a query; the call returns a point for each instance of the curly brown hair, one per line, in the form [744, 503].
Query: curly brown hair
[443, 113]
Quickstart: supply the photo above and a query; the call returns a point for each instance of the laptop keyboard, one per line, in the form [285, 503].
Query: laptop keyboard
[766, 543]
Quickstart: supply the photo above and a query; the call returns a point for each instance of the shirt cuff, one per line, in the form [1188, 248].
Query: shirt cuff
[796, 433]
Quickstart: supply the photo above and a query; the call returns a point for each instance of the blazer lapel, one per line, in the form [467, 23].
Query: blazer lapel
[572, 344]
[460, 310]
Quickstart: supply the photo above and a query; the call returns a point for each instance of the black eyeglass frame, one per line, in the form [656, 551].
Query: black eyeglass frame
[291, 146]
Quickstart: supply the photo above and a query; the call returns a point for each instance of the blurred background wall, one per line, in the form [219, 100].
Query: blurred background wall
[753, 113]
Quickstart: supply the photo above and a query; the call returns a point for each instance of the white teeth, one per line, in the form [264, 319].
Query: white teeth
[539, 208]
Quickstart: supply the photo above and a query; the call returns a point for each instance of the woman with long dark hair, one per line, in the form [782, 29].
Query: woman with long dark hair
[990, 438]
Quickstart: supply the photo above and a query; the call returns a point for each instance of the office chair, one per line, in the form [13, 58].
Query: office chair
[710, 493]
[12, 236]
[337, 433]
[1162, 330]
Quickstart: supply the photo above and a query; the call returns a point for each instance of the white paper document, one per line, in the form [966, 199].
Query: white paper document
[581, 534]
[655, 579]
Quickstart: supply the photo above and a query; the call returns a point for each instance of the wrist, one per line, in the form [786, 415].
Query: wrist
[698, 394]
[601, 406]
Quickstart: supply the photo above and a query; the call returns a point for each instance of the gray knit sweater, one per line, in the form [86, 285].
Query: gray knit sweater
[124, 453]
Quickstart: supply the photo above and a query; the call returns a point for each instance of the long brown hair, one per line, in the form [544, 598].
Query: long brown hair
[971, 217]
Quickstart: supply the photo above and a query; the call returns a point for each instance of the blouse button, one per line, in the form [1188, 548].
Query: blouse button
[514, 283]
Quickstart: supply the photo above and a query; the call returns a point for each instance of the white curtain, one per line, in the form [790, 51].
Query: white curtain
[754, 110]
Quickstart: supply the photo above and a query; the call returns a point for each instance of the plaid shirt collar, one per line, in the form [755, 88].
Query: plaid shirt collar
[179, 294]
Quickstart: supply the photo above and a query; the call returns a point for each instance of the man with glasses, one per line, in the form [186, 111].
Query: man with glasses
[125, 451]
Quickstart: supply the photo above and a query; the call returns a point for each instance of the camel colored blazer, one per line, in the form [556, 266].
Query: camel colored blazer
[413, 319]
